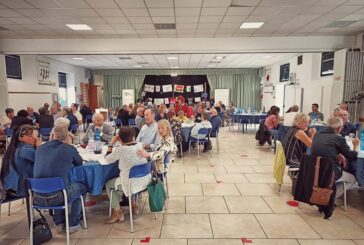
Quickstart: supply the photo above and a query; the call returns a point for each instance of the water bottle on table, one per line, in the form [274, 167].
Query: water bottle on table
[97, 141]
[362, 140]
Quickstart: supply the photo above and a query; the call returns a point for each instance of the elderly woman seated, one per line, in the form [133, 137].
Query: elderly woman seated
[297, 139]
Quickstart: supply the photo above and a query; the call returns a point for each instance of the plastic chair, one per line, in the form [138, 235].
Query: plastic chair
[47, 186]
[201, 132]
[137, 171]
[131, 122]
[118, 124]
[8, 135]
[88, 121]
[45, 132]
[215, 134]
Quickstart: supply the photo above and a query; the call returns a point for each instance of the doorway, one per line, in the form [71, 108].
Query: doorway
[62, 90]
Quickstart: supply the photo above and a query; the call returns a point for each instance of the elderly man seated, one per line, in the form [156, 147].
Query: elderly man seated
[348, 128]
[106, 132]
[328, 143]
[139, 119]
[56, 158]
[148, 133]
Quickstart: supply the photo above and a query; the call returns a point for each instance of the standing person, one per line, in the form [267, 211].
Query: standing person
[272, 121]
[18, 161]
[56, 158]
[78, 115]
[315, 114]
[6, 120]
[106, 131]
[127, 156]
[161, 113]
[163, 148]
[148, 133]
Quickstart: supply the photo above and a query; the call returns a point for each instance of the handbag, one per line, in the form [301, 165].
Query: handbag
[321, 196]
[41, 231]
[157, 195]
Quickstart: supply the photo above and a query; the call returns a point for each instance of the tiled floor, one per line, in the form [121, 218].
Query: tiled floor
[215, 200]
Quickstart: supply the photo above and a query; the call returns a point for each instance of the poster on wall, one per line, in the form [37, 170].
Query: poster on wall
[198, 88]
[197, 99]
[167, 88]
[158, 101]
[157, 88]
[127, 96]
[43, 73]
[222, 95]
[179, 88]
[188, 89]
[166, 101]
[149, 88]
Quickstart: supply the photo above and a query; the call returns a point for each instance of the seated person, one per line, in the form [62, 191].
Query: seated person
[21, 118]
[289, 115]
[127, 156]
[205, 123]
[33, 115]
[161, 113]
[181, 117]
[163, 148]
[85, 111]
[44, 120]
[181, 105]
[200, 109]
[148, 133]
[348, 128]
[6, 120]
[70, 116]
[215, 120]
[106, 132]
[78, 115]
[297, 141]
[272, 121]
[315, 115]
[18, 161]
[139, 119]
[329, 144]
[123, 115]
[171, 112]
[56, 158]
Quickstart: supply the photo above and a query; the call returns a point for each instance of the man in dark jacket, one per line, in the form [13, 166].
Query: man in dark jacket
[348, 128]
[124, 116]
[69, 115]
[21, 118]
[44, 120]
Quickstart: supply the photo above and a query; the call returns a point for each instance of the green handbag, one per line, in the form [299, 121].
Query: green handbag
[157, 195]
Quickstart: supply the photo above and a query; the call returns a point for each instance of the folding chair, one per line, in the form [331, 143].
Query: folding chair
[49, 186]
[45, 132]
[202, 132]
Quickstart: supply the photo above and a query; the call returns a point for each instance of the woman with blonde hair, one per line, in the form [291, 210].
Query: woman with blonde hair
[297, 139]
[166, 146]
[161, 113]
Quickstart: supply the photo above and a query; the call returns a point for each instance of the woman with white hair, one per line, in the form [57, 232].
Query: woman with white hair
[165, 147]
[296, 140]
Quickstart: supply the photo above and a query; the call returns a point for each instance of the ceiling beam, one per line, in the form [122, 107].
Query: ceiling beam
[176, 45]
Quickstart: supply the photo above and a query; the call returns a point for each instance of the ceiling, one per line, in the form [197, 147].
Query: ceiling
[46, 19]
[184, 61]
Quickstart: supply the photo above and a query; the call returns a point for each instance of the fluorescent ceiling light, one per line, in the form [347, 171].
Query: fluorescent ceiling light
[137, 66]
[172, 58]
[79, 27]
[78, 58]
[251, 25]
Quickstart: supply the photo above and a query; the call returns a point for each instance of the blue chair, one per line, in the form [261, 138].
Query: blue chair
[357, 126]
[8, 135]
[45, 132]
[88, 121]
[131, 122]
[48, 186]
[201, 132]
[137, 171]
[118, 123]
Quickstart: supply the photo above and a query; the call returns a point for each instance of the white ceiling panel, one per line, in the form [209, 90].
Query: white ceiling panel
[216, 3]
[130, 3]
[73, 4]
[187, 11]
[104, 4]
[159, 3]
[239, 11]
[116, 20]
[16, 4]
[161, 12]
[187, 3]
[213, 11]
[110, 12]
[136, 12]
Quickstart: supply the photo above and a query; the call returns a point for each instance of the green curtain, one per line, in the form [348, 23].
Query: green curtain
[244, 84]
[113, 84]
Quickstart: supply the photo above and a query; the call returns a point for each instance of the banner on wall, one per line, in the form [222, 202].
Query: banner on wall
[157, 88]
[197, 99]
[43, 72]
[198, 88]
[166, 101]
[167, 88]
[149, 88]
[188, 89]
[127, 96]
[172, 100]
[158, 101]
[179, 88]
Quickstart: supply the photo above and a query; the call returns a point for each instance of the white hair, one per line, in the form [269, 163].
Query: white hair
[60, 133]
[96, 115]
[62, 121]
[299, 117]
[334, 122]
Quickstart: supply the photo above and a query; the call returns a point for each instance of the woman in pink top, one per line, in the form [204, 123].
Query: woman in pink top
[272, 121]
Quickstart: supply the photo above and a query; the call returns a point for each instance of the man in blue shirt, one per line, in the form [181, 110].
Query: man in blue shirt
[148, 133]
[315, 115]
[348, 128]
[69, 115]
[56, 158]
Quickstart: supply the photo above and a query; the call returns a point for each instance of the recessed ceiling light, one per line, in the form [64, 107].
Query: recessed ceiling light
[251, 25]
[172, 58]
[267, 57]
[78, 58]
[79, 27]
[137, 66]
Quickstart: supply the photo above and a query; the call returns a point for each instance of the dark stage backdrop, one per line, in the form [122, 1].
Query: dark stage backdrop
[191, 81]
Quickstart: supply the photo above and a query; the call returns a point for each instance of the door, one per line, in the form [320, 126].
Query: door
[62, 90]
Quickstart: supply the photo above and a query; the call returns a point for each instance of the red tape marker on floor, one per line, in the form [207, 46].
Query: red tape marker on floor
[145, 240]
[293, 203]
[90, 203]
[246, 240]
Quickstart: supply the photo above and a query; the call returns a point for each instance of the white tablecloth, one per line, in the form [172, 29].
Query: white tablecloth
[89, 155]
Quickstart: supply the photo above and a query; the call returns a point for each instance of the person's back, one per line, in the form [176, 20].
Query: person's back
[45, 121]
[293, 147]
[198, 126]
[123, 115]
[55, 159]
[17, 121]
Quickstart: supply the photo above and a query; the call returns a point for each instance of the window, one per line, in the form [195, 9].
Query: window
[327, 64]
[13, 67]
[284, 73]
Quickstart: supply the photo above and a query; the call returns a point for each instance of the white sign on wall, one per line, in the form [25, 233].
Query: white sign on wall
[44, 73]
[223, 95]
[127, 96]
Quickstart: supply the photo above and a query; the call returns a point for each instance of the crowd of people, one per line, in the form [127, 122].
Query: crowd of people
[28, 156]
[301, 138]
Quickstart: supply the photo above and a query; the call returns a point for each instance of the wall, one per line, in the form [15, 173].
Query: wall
[27, 91]
[3, 86]
[316, 89]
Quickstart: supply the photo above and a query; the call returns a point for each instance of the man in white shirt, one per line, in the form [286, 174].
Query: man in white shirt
[77, 114]
[6, 120]
[148, 133]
